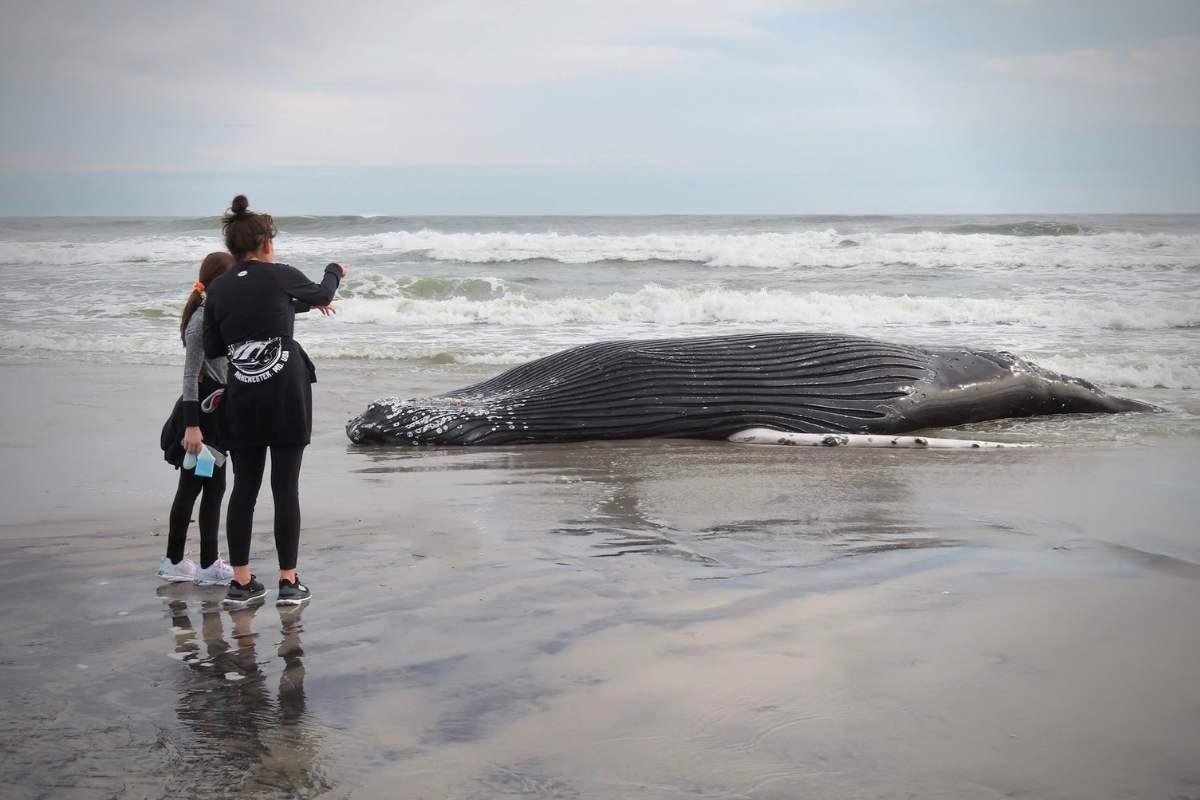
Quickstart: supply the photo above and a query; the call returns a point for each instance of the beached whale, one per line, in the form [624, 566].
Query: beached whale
[714, 387]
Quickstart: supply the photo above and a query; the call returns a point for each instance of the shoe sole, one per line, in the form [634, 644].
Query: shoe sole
[257, 599]
[175, 578]
[212, 583]
[299, 602]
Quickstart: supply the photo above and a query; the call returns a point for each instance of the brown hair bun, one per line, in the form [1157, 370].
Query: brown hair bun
[246, 231]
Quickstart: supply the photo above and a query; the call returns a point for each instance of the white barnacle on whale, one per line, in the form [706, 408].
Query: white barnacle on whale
[767, 436]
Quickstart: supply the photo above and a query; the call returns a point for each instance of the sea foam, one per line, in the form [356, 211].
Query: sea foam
[817, 310]
[1124, 370]
[756, 250]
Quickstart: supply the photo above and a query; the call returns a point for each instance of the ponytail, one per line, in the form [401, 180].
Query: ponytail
[193, 302]
[213, 266]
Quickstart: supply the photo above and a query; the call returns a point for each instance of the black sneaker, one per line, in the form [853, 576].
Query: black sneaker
[240, 595]
[292, 594]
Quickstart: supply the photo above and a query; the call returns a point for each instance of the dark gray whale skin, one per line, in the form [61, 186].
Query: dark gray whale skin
[710, 388]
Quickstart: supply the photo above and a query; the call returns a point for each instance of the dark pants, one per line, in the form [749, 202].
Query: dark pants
[189, 489]
[248, 467]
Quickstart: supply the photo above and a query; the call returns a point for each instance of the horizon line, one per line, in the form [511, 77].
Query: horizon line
[510, 214]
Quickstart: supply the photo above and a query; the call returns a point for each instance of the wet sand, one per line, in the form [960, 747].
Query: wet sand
[646, 619]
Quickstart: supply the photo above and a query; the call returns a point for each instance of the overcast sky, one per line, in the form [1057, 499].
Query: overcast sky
[555, 106]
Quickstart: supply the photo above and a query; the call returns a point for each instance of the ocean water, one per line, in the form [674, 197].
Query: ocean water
[1114, 299]
[652, 619]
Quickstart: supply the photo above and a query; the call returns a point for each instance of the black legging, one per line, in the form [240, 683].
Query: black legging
[248, 466]
[190, 487]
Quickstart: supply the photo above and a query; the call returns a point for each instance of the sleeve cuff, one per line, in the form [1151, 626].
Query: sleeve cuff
[191, 413]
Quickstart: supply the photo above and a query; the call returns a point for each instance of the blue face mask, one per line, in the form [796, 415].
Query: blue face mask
[207, 454]
[204, 463]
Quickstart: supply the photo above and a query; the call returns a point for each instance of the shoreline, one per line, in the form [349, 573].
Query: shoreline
[649, 618]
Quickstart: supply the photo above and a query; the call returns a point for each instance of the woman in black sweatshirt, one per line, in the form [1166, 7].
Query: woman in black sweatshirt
[268, 401]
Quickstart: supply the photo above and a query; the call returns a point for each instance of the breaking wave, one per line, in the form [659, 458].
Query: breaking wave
[1117, 370]
[983, 248]
[676, 306]
[1023, 228]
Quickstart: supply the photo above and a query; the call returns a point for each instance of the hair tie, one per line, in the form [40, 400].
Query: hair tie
[198, 286]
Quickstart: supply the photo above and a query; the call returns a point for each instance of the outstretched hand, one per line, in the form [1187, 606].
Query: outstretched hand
[328, 310]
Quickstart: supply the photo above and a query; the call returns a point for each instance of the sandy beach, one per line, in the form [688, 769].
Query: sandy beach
[547, 222]
[648, 619]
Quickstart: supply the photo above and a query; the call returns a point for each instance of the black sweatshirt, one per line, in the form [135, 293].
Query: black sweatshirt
[254, 300]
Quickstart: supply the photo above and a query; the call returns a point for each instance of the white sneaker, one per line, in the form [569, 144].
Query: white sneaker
[185, 570]
[218, 573]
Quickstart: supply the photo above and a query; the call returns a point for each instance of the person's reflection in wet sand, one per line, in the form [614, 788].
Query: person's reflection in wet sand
[246, 741]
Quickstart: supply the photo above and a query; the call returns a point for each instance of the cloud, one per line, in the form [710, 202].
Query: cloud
[403, 82]
[1172, 60]
[1094, 90]
[869, 90]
